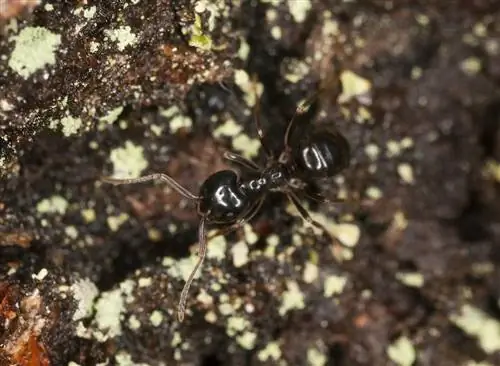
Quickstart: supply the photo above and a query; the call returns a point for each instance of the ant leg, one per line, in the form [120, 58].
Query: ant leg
[302, 210]
[238, 159]
[157, 176]
[251, 213]
[321, 199]
[256, 116]
[202, 239]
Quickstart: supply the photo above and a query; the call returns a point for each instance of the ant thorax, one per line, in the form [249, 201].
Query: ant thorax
[273, 178]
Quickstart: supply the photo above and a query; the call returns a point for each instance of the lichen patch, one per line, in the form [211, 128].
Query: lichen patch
[35, 47]
[293, 298]
[128, 161]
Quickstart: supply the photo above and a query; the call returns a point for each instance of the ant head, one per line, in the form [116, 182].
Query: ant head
[221, 197]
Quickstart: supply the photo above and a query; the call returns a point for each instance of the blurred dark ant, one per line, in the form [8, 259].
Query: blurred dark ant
[228, 200]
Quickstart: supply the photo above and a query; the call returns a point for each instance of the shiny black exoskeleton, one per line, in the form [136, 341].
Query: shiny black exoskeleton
[228, 200]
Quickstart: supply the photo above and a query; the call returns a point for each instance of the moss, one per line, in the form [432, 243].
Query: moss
[198, 38]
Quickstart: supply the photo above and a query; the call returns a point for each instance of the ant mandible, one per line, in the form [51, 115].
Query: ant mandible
[228, 200]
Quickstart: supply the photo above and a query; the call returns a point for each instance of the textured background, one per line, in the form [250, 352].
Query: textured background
[408, 271]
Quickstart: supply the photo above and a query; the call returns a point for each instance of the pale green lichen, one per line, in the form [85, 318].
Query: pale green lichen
[271, 352]
[293, 298]
[89, 12]
[71, 232]
[114, 222]
[491, 170]
[471, 66]
[133, 322]
[295, 70]
[374, 193]
[84, 292]
[240, 253]
[109, 309]
[177, 119]
[354, 86]
[477, 323]
[311, 272]
[111, 116]
[334, 285]
[217, 248]
[315, 357]
[247, 146]
[123, 36]
[88, 215]
[250, 236]
[123, 358]
[40, 275]
[402, 352]
[405, 172]
[299, 9]
[35, 48]
[181, 268]
[411, 279]
[156, 318]
[144, 281]
[228, 128]
[276, 32]
[128, 161]
[70, 125]
[54, 204]
[204, 298]
[247, 340]
[252, 91]
[236, 324]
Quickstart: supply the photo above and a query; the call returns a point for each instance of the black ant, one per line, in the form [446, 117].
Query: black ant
[228, 200]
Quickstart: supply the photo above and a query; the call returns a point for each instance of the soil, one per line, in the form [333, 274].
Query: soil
[406, 271]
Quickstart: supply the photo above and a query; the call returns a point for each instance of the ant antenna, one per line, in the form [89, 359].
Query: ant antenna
[202, 239]
[301, 108]
[306, 104]
[157, 176]
[256, 116]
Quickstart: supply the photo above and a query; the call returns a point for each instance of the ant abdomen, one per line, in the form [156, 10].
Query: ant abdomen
[221, 198]
[321, 154]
